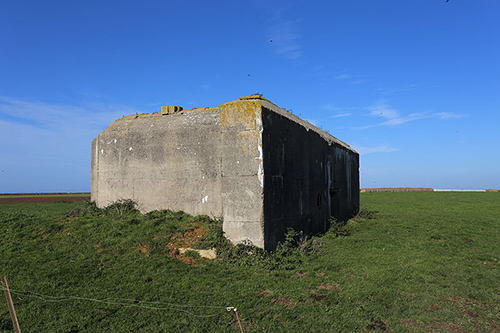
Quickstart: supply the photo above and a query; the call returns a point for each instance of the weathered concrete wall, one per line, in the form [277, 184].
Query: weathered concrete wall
[202, 161]
[161, 161]
[242, 170]
[259, 167]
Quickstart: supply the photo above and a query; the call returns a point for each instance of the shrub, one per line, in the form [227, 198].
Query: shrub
[287, 255]
[338, 228]
[214, 238]
[121, 208]
[89, 209]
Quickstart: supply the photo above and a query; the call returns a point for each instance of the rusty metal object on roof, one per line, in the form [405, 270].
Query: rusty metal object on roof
[171, 109]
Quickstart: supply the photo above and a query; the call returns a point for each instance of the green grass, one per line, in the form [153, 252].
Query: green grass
[426, 262]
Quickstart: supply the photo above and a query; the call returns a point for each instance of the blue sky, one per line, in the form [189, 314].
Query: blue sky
[412, 85]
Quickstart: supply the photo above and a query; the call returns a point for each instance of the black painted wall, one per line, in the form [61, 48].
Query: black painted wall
[307, 179]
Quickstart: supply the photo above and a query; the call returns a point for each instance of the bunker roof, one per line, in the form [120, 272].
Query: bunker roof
[175, 109]
[287, 114]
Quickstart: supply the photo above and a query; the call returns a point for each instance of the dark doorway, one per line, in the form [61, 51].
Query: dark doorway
[334, 203]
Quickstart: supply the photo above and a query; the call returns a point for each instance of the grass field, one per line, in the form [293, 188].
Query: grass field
[424, 262]
[46, 195]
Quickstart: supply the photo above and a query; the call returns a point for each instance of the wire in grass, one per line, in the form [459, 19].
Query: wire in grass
[124, 302]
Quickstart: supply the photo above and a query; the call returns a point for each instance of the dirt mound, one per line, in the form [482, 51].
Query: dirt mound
[188, 239]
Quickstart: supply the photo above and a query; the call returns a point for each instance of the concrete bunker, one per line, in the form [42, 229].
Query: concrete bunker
[259, 167]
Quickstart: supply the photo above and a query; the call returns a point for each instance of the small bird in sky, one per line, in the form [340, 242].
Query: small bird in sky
[272, 40]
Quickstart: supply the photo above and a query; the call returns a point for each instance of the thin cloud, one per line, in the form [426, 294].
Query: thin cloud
[383, 110]
[366, 170]
[318, 69]
[332, 107]
[405, 119]
[377, 149]
[340, 112]
[59, 117]
[49, 144]
[285, 39]
[342, 77]
[449, 115]
[393, 117]
[342, 115]
[406, 88]
[360, 81]
[350, 79]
